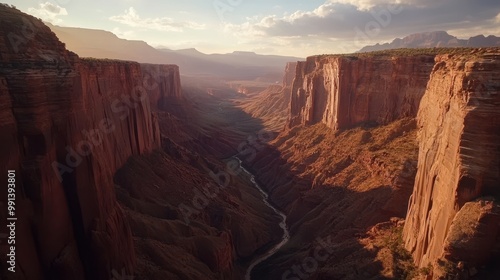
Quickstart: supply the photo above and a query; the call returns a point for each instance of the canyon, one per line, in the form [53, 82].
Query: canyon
[385, 164]
[369, 132]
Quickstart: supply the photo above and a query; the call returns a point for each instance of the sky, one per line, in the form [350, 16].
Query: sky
[283, 27]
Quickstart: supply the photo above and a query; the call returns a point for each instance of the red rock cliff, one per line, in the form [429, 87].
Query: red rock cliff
[343, 91]
[289, 74]
[66, 126]
[458, 163]
[163, 83]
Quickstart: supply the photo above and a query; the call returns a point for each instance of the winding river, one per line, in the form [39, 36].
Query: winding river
[286, 233]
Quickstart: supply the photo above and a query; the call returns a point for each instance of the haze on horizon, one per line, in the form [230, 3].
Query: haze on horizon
[282, 27]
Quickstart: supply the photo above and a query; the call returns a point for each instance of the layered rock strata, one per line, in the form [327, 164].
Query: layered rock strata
[459, 160]
[343, 91]
[67, 125]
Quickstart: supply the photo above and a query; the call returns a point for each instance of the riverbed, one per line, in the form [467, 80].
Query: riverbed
[282, 225]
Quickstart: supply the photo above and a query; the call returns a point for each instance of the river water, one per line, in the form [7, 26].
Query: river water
[283, 226]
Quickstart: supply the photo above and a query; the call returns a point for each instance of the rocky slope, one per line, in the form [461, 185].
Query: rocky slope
[343, 91]
[334, 186]
[185, 225]
[459, 163]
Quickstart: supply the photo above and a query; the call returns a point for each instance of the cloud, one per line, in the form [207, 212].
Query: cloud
[363, 4]
[343, 26]
[131, 18]
[376, 20]
[369, 4]
[48, 12]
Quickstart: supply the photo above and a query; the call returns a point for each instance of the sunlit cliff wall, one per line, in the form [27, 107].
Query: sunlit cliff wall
[459, 158]
[343, 91]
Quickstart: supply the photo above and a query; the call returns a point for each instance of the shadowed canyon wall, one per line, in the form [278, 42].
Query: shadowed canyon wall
[163, 84]
[450, 214]
[67, 125]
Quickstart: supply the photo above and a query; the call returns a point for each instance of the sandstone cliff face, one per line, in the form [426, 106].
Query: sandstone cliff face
[289, 75]
[163, 83]
[68, 125]
[459, 158]
[342, 91]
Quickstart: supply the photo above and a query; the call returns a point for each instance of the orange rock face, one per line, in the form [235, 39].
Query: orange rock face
[343, 91]
[459, 154]
[67, 125]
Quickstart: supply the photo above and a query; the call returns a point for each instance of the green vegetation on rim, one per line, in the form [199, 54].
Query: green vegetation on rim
[404, 267]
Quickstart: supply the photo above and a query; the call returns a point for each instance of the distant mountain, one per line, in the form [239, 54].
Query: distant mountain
[237, 65]
[435, 39]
